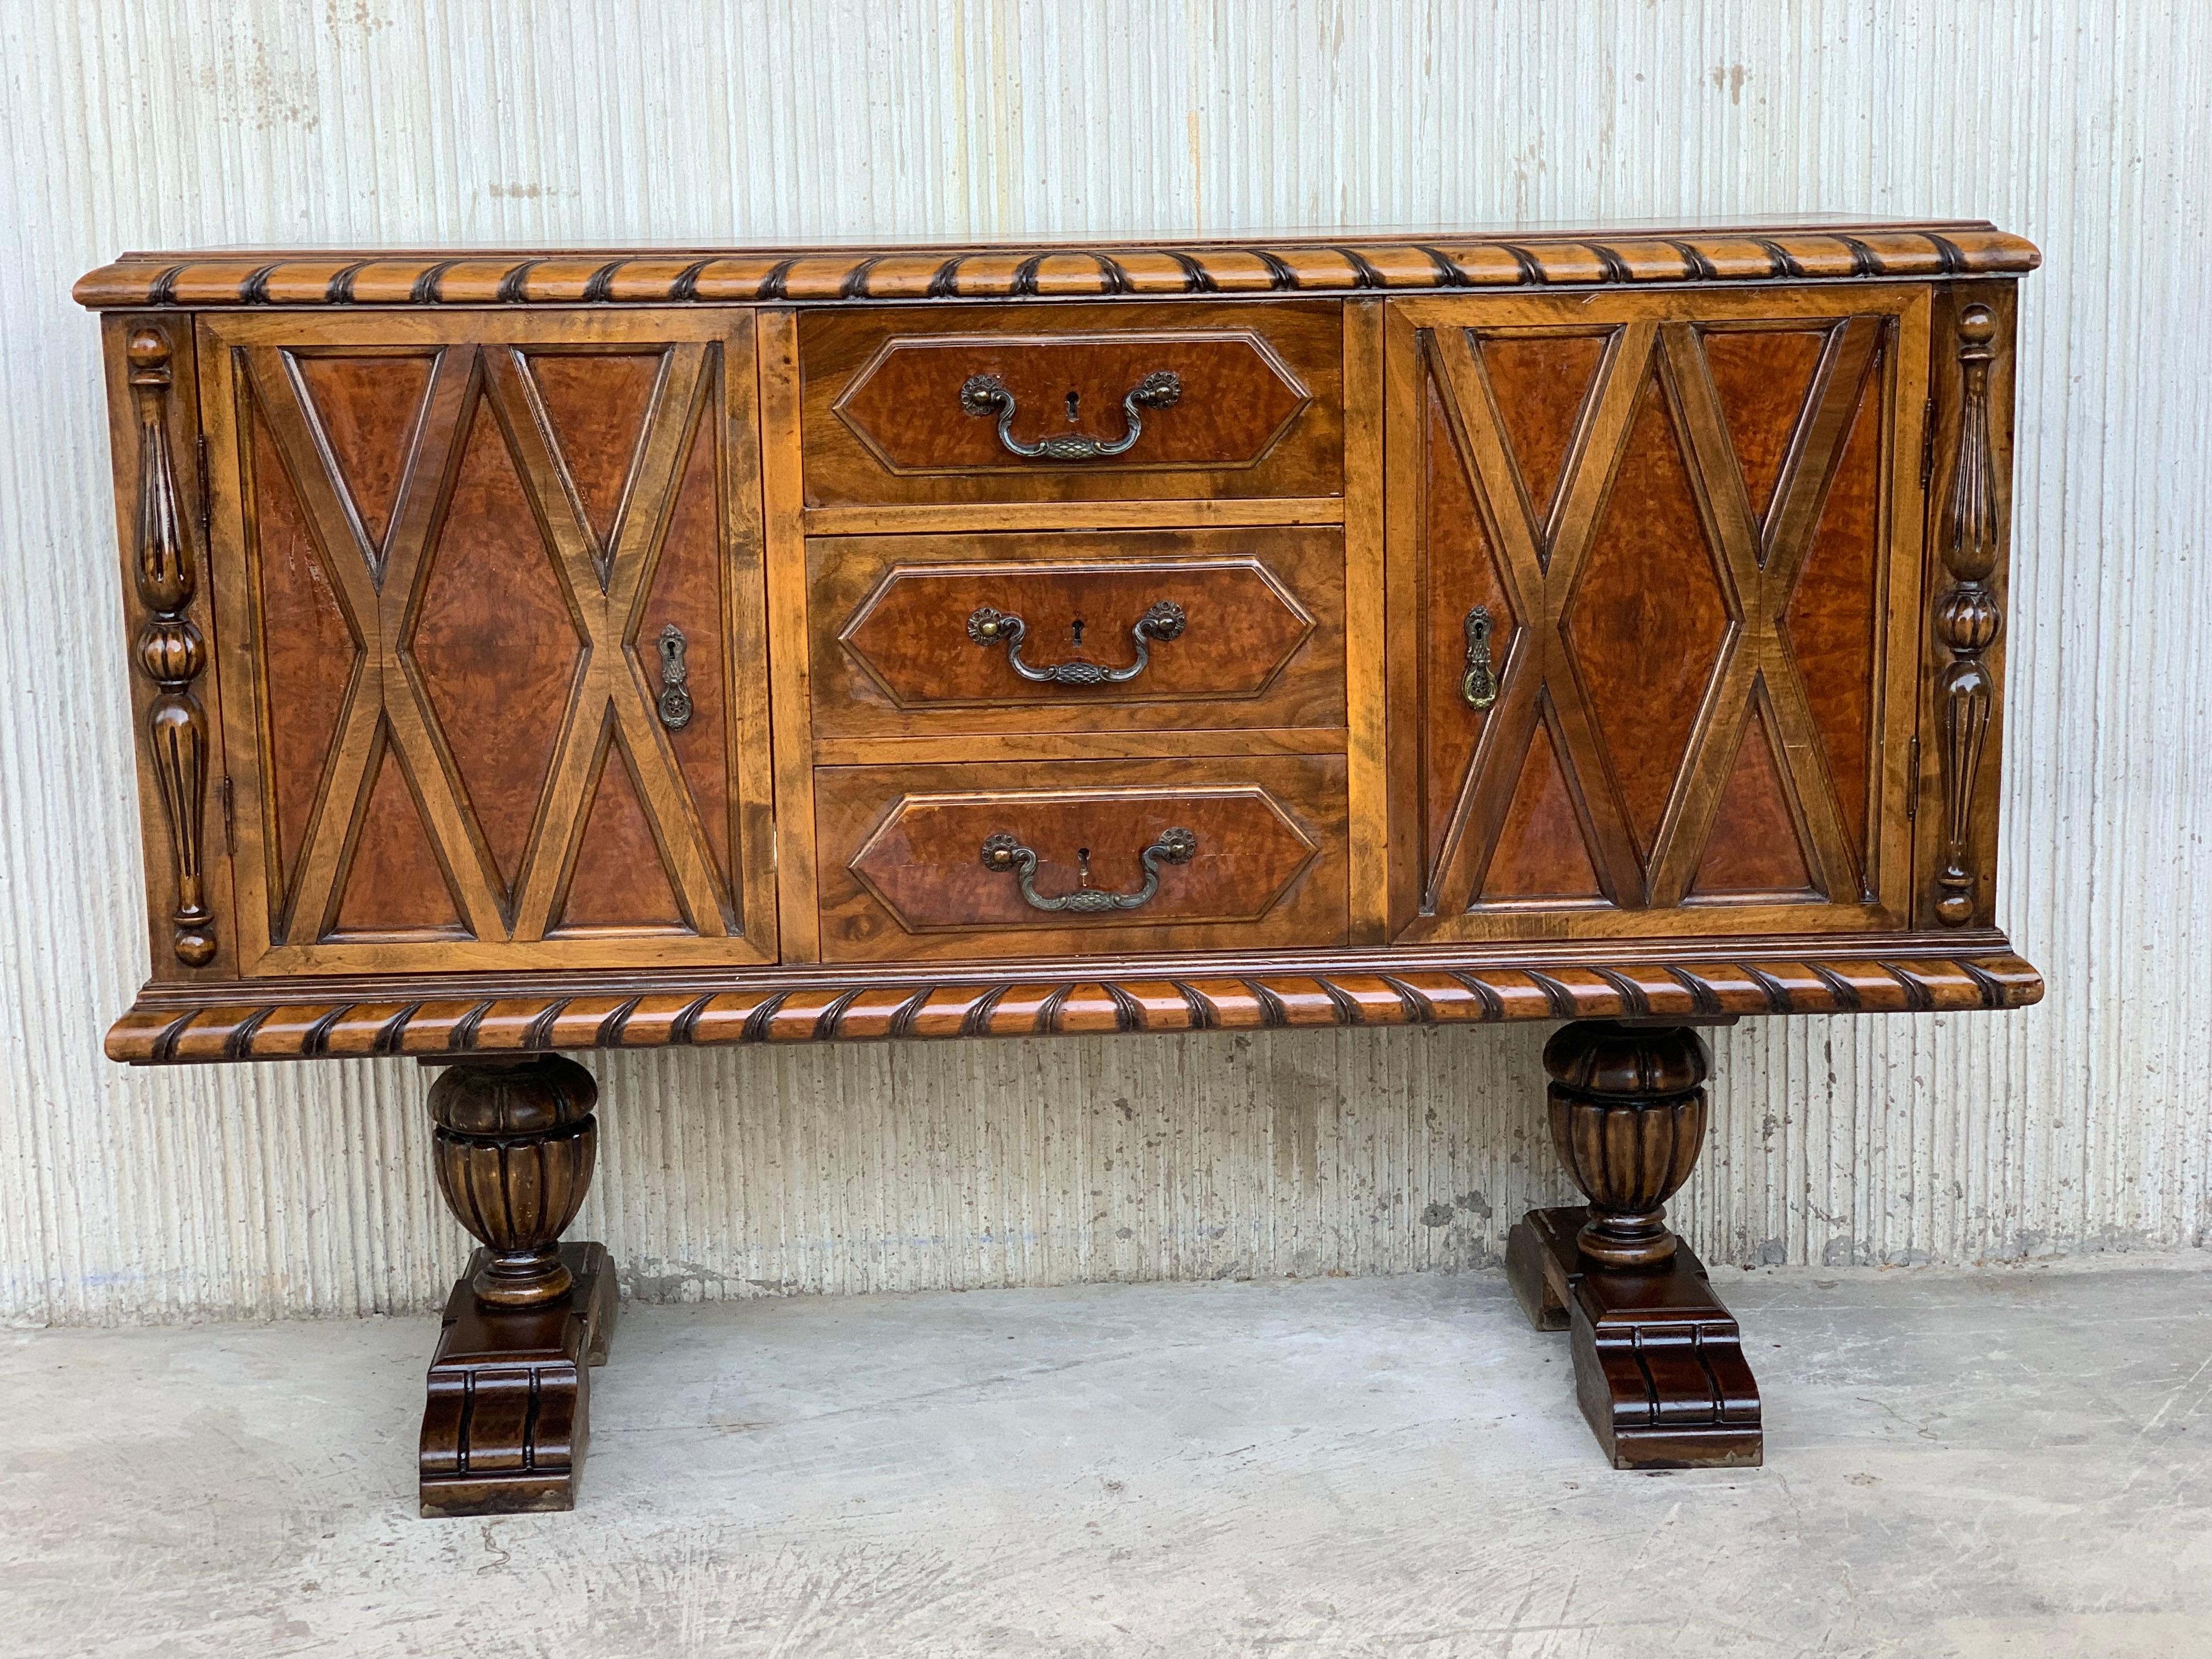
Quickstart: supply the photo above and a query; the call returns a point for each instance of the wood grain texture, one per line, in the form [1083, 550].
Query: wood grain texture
[1366, 622]
[1262, 645]
[1444, 261]
[1228, 990]
[791, 703]
[1260, 413]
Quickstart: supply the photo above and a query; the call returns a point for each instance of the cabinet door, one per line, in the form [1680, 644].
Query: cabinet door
[1683, 531]
[490, 592]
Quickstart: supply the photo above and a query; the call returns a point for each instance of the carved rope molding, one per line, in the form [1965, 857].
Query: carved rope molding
[1966, 249]
[827, 1011]
[1967, 616]
[171, 651]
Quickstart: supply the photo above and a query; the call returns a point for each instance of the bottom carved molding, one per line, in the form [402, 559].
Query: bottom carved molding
[1659, 1365]
[510, 1393]
[431, 1016]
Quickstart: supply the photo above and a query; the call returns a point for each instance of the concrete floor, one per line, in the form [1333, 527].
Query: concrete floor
[2017, 1462]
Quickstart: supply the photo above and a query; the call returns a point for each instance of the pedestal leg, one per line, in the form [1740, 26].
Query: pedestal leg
[507, 1416]
[1659, 1365]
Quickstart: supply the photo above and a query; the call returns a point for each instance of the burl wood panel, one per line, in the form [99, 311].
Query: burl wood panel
[1262, 643]
[902, 874]
[440, 543]
[1261, 412]
[1689, 519]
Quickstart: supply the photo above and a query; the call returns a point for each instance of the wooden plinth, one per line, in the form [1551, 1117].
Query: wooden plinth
[509, 1407]
[1659, 1365]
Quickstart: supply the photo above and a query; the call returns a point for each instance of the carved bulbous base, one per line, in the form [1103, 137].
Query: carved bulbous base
[508, 1412]
[514, 1148]
[1659, 1365]
[1628, 1120]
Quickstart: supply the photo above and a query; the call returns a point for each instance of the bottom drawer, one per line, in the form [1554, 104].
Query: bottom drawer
[1047, 858]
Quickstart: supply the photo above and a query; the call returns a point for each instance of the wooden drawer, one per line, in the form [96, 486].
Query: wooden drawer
[905, 407]
[903, 854]
[917, 636]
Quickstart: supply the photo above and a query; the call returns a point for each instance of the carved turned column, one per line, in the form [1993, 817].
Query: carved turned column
[1628, 1120]
[507, 1416]
[1659, 1365]
[171, 650]
[1967, 618]
[514, 1148]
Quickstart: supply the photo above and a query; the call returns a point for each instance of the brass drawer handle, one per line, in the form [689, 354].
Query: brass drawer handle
[1002, 852]
[675, 680]
[1479, 686]
[986, 627]
[986, 394]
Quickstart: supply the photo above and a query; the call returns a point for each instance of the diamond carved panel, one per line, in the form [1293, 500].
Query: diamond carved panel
[1694, 548]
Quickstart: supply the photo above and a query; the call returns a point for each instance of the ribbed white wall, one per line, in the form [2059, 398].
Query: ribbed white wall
[2087, 124]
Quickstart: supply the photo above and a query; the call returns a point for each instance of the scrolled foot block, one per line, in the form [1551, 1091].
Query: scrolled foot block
[508, 1414]
[1659, 1367]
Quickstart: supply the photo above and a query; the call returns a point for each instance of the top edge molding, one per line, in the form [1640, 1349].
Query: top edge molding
[1346, 264]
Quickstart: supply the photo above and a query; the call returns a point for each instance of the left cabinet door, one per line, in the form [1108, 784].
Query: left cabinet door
[488, 593]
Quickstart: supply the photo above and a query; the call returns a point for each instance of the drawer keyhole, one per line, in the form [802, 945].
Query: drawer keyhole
[1074, 407]
[1082, 867]
[1077, 631]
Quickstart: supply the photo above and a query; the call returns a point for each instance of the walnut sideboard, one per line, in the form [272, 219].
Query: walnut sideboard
[553, 651]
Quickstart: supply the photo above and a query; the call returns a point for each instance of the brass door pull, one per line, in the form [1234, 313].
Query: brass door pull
[675, 680]
[1002, 852]
[1479, 686]
[1162, 620]
[986, 394]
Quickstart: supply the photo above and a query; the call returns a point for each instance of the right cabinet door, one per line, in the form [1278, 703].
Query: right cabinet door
[1654, 587]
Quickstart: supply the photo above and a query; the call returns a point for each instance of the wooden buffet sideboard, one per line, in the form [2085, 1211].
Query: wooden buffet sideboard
[545, 650]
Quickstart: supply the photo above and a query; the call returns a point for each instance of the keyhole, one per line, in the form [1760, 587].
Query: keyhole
[1082, 865]
[1078, 630]
[1074, 402]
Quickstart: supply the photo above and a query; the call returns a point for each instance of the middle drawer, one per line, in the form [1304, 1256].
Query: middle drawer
[1076, 631]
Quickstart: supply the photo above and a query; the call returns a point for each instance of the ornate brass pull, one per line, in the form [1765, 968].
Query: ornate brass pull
[986, 627]
[675, 680]
[1479, 686]
[986, 394]
[1002, 852]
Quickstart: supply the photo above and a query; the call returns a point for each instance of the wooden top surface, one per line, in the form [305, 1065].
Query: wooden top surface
[1344, 263]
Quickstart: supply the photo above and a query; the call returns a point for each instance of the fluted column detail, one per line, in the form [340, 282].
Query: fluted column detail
[1628, 1120]
[514, 1147]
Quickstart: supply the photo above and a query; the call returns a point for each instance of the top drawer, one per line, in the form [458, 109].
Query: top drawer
[1072, 402]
